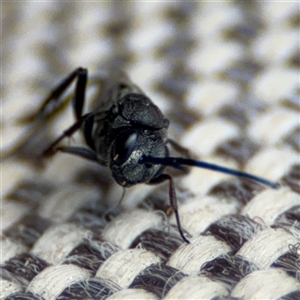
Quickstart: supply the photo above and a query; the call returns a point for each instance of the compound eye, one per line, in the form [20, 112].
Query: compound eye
[124, 145]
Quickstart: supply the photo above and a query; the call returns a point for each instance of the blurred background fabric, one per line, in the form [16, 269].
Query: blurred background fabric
[226, 75]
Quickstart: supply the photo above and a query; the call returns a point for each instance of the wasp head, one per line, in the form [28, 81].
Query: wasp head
[129, 146]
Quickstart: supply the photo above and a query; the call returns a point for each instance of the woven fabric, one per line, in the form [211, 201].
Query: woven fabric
[226, 76]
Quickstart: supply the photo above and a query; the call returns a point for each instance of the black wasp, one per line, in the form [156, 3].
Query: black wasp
[127, 133]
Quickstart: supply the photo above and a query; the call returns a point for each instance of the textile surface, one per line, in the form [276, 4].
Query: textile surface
[226, 76]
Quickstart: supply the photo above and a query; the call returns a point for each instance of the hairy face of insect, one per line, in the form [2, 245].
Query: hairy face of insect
[128, 148]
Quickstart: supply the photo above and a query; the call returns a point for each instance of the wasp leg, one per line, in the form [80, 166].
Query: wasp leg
[80, 92]
[67, 133]
[78, 106]
[45, 110]
[82, 152]
[87, 128]
[173, 199]
[50, 107]
[183, 151]
[180, 149]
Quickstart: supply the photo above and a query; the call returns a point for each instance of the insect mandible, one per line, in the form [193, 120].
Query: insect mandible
[126, 132]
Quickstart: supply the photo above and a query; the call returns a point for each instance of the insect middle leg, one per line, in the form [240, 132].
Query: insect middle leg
[67, 133]
[180, 149]
[79, 151]
[173, 199]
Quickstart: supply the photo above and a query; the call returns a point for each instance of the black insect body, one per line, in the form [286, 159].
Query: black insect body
[127, 133]
[133, 128]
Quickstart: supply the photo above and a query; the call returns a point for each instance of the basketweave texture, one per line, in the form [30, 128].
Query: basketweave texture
[226, 75]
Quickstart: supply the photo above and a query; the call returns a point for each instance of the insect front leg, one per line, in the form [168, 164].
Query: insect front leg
[173, 199]
[52, 105]
[80, 92]
[183, 151]
[45, 111]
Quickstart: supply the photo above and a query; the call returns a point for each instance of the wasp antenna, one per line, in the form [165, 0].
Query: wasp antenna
[176, 162]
